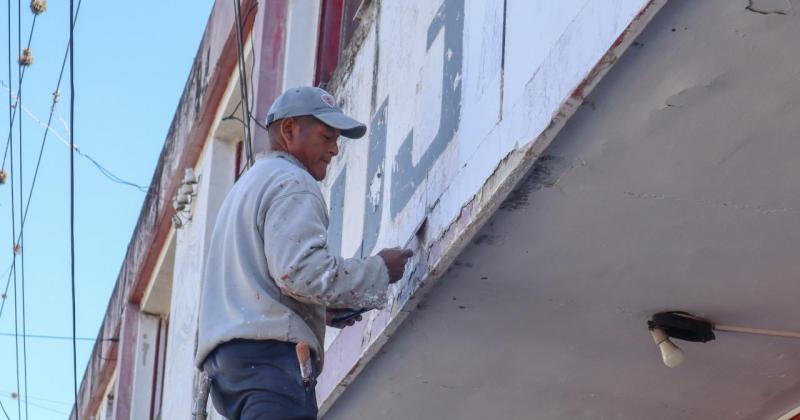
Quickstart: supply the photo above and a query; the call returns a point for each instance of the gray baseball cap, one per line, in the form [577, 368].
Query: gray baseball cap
[307, 100]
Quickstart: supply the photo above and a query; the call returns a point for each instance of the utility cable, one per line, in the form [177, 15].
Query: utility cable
[243, 81]
[4, 296]
[40, 406]
[20, 244]
[72, 198]
[102, 169]
[12, 114]
[4, 410]
[44, 137]
[105, 172]
[22, 77]
[47, 400]
[60, 337]
[13, 217]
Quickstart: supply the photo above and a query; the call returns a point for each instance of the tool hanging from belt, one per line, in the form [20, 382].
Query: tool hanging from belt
[304, 358]
[200, 412]
[201, 401]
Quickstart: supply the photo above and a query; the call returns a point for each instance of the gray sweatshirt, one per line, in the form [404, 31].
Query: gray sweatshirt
[269, 274]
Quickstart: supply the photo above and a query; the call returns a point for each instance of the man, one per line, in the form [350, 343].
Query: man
[270, 281]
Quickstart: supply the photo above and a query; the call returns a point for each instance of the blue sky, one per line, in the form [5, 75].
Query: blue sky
[131, 63]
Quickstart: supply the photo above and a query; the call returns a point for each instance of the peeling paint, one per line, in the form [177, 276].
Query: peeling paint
[442, 244]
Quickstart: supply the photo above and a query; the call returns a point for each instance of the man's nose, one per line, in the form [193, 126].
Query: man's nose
[335, 148]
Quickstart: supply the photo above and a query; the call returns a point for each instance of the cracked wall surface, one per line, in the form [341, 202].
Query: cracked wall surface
[674, 187]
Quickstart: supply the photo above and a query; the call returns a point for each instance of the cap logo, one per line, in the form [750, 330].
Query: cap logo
[328, 99]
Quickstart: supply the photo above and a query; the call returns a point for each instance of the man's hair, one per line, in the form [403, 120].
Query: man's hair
[304, 121]
[272, 131]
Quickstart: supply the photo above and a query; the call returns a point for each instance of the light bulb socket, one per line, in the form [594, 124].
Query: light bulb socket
[683, 326]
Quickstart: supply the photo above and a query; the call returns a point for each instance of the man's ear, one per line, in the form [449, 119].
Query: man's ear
[286, 129]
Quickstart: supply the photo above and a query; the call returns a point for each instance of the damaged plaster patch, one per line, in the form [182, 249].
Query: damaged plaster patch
[546, 173]
[769, 7]
[686, 97]
[376, 190]
[485, 239]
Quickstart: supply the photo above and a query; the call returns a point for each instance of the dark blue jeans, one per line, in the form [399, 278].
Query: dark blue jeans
[259, 380]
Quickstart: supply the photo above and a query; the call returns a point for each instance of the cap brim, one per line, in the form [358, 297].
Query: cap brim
[347, 126]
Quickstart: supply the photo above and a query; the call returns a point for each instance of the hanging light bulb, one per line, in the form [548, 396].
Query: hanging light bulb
[671, 354]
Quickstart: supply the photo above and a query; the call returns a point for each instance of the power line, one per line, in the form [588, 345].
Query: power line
[44, 137]
[13, 217]
[37, 404]
[5, 293]
[20, 243]
[30, 397]
[4, 411]
[243, 81]
[30, 38]
[103, 170]
[40, 406]
[72, 198]
[59, 337]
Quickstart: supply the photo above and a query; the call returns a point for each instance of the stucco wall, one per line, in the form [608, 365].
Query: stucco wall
[674, 187]
[456, 94]
[215, 177]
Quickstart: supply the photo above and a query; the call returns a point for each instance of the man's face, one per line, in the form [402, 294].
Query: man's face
[314, 144]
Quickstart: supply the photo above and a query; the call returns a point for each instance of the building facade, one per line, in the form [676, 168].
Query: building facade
[463, 101]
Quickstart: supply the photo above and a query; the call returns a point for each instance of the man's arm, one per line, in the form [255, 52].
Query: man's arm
[295, 244]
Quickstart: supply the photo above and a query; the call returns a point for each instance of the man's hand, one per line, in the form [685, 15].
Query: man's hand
[330, 314]
[395, 260]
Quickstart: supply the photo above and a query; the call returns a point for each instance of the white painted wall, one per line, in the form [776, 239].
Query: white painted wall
[550, 47]
[497, 95]
[215, 175]
[301, 42]
[145, 359]
[105, 409]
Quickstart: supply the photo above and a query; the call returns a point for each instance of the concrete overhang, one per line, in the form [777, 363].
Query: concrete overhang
[673, 188]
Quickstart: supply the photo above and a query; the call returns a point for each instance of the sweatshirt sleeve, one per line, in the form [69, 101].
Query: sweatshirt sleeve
[295, 244]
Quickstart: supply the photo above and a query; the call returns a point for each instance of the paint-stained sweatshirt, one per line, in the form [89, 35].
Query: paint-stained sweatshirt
[269, 273]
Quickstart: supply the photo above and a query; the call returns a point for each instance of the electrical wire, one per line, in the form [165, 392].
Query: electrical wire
[243, 81]
[4, 297]
[59, 337]
[30, 38]
[44, 139]
[13, 217]
[102, 169]
[5, 293]
[20, 244]
[2, 407]
[47, 400]
[252, 9]
[107, 173]
[39, 406]
[72, 198]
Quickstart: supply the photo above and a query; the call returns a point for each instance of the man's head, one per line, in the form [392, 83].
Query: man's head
[308, 139]
[306, 122]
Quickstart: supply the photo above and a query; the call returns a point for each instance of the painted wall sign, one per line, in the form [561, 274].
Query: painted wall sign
[454, 91]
